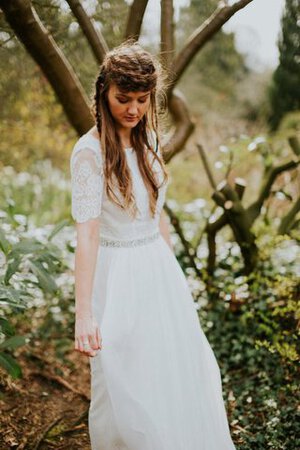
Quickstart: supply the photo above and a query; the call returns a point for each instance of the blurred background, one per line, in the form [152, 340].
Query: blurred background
[233, 201]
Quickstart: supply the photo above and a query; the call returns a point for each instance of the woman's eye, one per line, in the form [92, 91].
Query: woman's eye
[125, 101]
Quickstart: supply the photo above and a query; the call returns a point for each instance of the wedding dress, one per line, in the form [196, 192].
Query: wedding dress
[156, 384]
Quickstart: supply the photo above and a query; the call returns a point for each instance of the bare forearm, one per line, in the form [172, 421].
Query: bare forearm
[85, 264]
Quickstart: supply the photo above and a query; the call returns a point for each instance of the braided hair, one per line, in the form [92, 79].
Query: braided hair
[131, 69]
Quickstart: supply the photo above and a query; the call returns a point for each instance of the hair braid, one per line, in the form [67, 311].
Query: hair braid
[132, 69]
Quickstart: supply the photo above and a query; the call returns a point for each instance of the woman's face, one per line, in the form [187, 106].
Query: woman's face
[127, 108]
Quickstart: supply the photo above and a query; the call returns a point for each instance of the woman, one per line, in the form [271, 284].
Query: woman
[155, 382]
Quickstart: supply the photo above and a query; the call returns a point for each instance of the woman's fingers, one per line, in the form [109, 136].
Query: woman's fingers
[87, 337]
[92, 341]
[87, 345]
[83, 344]
[98, 337]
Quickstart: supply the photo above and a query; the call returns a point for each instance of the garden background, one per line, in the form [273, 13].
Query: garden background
[231, 143]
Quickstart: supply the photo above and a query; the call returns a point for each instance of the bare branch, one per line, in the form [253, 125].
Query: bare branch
[94, 37]
[288, 220]
[254, 209]
[183, 123]
[167, 32]
[188, 249]
[206, 166]
[211, 229]
[202, 35]
[294, 144]
[135, 19]
[240, 186]
[26, 24]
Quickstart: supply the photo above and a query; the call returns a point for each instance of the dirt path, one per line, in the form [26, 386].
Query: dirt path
[47, 408]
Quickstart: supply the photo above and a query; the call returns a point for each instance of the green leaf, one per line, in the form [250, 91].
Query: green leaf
[11, 296]
[58, 227]
[6, 327]
[12, 268]
[13, 342]
[9, 302]
[10, 365]
[46, 282]
[26, 246]
[53, 262]
[4, 244]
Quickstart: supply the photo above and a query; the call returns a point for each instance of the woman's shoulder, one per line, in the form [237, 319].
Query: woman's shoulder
[86, 146]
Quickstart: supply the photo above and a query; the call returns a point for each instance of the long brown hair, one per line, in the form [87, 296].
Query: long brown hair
[132, 69]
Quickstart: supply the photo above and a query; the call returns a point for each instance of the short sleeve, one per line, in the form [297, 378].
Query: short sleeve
[86, 183]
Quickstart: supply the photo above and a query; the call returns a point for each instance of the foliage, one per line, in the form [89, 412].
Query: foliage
[260, 387]
[9, 342]
[28, 268]
[251, 323]
[291, 121]
[110, 17]
[33, 125]
[39, 197]
[247, 157]
[285, 90]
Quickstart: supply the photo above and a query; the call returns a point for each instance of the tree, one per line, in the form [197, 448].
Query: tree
[31, 31]
[55, 64]
[285, 88]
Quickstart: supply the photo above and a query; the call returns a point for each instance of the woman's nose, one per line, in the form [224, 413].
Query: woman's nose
[133, 109]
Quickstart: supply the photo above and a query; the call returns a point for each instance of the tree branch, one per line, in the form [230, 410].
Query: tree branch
[188, 249]
[95, 38]
[135, 19]
[254, 209]
[167, 32]
[184, 126]
[206, 166]
[294, 144]
[201, 36]
[287, 220]
[26, 24]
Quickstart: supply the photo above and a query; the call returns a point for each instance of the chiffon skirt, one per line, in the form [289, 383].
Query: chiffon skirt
[156, 384]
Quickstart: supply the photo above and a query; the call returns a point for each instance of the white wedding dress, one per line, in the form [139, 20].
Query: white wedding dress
[156, 384]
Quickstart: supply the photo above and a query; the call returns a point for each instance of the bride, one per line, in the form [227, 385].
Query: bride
[155, 381]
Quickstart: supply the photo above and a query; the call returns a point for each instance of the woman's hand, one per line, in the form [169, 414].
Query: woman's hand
[87, 335]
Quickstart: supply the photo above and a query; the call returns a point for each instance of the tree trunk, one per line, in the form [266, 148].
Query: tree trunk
[41, 46]
[135, 19]
[26, 24]
[95, 39]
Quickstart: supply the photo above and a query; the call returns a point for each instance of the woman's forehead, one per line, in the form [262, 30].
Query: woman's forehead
[132, 94]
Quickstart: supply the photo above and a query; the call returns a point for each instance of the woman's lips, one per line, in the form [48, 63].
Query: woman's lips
[130, 119]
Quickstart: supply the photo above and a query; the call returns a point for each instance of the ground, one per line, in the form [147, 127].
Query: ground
[48, 407]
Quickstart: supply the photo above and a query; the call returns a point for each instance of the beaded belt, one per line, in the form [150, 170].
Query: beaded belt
[128, 243]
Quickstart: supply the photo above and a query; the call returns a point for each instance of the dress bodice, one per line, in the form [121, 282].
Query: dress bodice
[89, 198]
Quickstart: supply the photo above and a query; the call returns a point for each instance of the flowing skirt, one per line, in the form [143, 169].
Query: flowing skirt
[156, 384]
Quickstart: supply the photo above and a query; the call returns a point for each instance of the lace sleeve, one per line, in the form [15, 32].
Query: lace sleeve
[86, 184]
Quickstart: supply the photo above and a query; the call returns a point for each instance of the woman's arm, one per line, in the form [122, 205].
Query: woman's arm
[87, 188]
[86, 329]
[164, 229]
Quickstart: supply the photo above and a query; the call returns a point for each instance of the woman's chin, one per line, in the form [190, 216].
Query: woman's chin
[127, 124]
